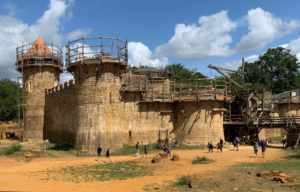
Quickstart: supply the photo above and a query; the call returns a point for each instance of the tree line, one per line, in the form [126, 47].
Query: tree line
[276, 70]
[8, 100]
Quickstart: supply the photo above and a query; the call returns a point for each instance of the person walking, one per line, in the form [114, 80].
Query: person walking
[255, 147]
[234, 144]
[221, 144]
[263, 148]
[107, 156]
[137, 147]
[99, 152]
[146, 151]
[211, 146]
[169, 151]
[237, 143]
[283, 140]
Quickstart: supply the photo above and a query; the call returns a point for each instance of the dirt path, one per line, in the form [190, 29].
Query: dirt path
[15, 173]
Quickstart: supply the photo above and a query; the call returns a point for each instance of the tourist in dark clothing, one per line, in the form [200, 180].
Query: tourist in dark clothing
[137, 147]
[107, 155]
[146, 151]
[210, 146]
[99, 152]
[221, 144]
[263, 147]
[255, 147]
[169, 151]
[283, 140]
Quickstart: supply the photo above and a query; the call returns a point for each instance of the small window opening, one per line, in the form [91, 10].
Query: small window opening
[36, 47]
[91, 122]
[130, 133]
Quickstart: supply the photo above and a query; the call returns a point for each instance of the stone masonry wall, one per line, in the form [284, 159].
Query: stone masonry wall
[36, 80]
[61, 113]
[106, 119]
[199, 124]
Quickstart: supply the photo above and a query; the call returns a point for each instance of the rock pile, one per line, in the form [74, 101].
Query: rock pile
[278, 176]
[33, 153]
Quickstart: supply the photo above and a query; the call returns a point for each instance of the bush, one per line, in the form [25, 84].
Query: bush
[183, 179]
[10, 150]
[202, 160]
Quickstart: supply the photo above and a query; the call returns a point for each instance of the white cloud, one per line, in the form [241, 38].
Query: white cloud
[13, 32]
[294, 46]
[284, 46]
[210, 39]
[78, 33]
[139, 53]
[263, 29]
[234, 65]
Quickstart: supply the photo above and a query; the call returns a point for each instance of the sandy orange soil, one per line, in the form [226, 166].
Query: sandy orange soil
[15, 173]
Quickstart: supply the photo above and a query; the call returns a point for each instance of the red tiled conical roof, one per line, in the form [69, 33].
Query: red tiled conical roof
[38, 49]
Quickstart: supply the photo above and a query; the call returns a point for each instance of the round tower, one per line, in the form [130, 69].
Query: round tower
[96, 64]
[40, 65]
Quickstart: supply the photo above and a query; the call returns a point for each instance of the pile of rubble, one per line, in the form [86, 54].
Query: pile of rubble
[33, 153]
[278, 176]
[164, 155]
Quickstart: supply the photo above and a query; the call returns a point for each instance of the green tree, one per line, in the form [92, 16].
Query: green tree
[8, 100]
[180, 71]
[277, 69]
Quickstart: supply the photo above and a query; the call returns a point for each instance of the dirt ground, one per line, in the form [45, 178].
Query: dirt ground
[16, 173]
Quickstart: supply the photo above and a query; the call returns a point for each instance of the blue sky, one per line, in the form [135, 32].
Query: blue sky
[194, 33]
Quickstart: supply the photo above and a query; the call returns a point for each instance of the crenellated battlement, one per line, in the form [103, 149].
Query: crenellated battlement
[60, 89]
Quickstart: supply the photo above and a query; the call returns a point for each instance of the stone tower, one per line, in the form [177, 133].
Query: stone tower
[96, 67]
[40, 65]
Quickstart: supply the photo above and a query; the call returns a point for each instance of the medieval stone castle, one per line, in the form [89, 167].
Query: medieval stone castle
[108, 103]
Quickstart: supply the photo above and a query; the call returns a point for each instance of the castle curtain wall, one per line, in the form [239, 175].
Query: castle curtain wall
[61, 113]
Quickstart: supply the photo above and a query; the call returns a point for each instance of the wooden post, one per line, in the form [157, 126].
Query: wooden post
[248, 102]
[152, 84]
[140, 80]
[243, 64]
[197, 87]
[163, 90]
[118, 48]
[174, 89]
[180, 90]
[230, 110]
[129, 76]
[82, 48]
[263, 98]
[145, 83]
[167, 136]
[68, 53]
[215, 88]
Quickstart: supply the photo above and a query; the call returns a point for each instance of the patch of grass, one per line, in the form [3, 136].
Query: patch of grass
[185, 147]
[183, 180]
[10, 150]
[284, 165]
[279, 138]
[202, 160]
[130, 150]
[101, 172]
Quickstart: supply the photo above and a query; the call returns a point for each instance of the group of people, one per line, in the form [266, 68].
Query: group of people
[236, 143]
[219, 146]
[137, 147]
[100, 156]
[263, 148]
